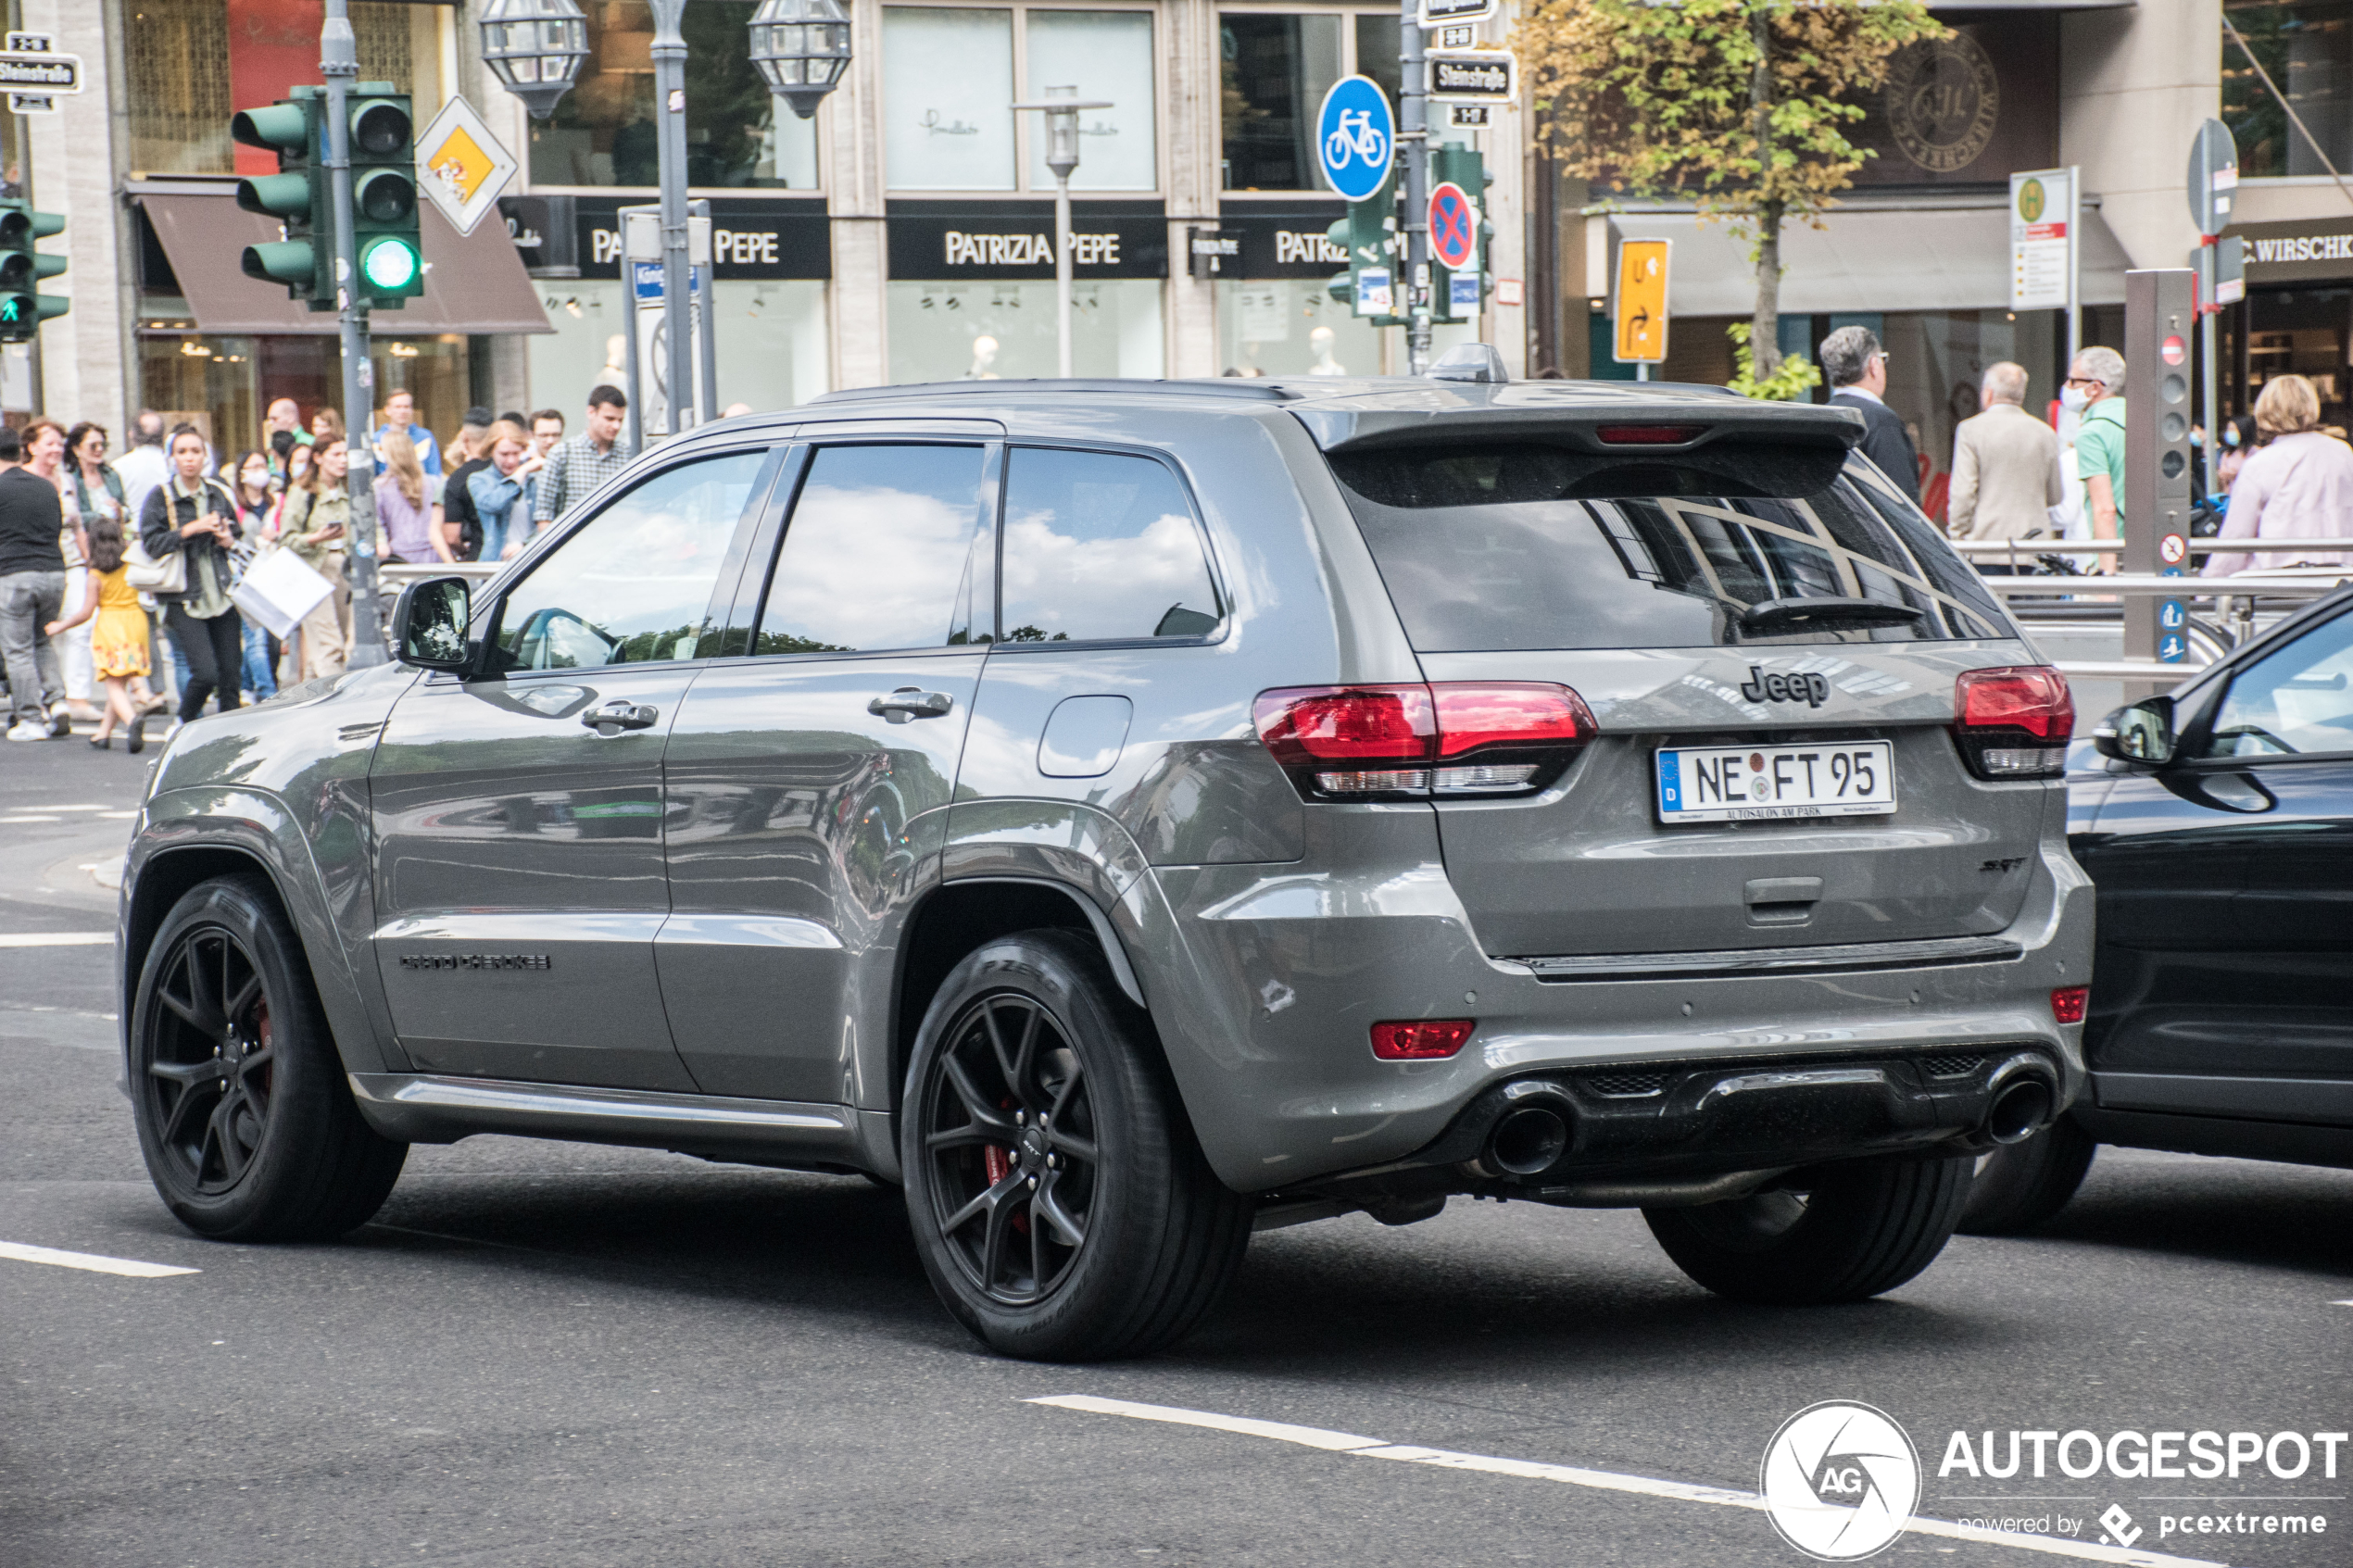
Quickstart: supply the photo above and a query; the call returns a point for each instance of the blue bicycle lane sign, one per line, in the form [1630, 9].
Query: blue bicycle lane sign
[1355, 137]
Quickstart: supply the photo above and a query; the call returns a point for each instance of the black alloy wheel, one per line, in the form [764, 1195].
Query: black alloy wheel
[246, 1119]
[1009, 1139]
[1060, 1202]
[210, 1059]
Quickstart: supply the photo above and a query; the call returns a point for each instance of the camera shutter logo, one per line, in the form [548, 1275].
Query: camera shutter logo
[1839, 1480]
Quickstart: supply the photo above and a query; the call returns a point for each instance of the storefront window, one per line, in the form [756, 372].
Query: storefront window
[1275, 72]
[193, 63]
[2300, 331]
[206, 382]
[947, 120]
[1292, 327]
[603, 132]
[1104, 54]
[1377, 56]
[983, 331]
[2308, 49]
[785, 320]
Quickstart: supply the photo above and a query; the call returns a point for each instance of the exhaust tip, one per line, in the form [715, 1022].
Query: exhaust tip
[1527, 1140]
[2021, 1111]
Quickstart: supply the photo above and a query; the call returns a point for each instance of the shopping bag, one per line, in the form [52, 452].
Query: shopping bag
[277, 591]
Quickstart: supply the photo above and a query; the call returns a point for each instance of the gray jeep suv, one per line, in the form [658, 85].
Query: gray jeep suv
[1126, 815]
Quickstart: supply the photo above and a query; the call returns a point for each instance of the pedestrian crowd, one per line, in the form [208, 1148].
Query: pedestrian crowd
[148, 584]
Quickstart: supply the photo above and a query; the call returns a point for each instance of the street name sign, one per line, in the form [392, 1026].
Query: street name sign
[2042, 210]
[460, 166]
[1355, 138]
[1439, 13]
[32, 73]
[1474, 76]
[1640, 303]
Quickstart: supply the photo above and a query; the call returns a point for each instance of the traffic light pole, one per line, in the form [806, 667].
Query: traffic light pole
[670, 118]
[339, 64]
[1412, 148]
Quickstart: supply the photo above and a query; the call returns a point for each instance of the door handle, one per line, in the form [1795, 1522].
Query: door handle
[612, 718]
[909, 702]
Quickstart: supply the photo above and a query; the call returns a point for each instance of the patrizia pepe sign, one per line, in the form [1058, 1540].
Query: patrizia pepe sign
[1015, 240]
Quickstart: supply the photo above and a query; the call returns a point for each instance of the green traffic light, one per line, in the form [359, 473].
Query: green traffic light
[389, 264]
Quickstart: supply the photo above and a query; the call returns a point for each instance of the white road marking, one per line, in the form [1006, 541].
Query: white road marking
[56, 938]
[21, 822]
[64, 807]
[1604, 1480]
[116, 816]
[131, 1267]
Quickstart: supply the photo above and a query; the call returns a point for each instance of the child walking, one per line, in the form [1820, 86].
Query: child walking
[118, 642]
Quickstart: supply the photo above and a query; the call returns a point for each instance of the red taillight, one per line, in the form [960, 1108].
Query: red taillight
[1452, 738]
[1308, 724]
[1421, 1040]
[2014, 722]
[2069, 1001]
[1648, 435]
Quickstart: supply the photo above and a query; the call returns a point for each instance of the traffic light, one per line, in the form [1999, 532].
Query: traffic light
[1460, 166]
[1376, 263]
[384, 196]
[296, 195]
[21, 267]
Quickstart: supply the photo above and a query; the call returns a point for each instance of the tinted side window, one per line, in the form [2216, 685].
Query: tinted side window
[879, 552]
[634, 584]
[1100, 544]
[2294, 701]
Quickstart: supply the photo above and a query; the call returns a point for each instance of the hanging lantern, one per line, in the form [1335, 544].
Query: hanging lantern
[536, 48]
[801, 46]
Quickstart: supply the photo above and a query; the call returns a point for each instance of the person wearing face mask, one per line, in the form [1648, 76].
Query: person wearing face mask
[2299, 486]
[2095, 388]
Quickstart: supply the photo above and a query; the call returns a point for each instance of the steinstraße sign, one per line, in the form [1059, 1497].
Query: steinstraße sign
[33, 73]
[1474, 76]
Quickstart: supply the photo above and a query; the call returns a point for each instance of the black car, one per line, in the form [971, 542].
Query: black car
[2217, 824]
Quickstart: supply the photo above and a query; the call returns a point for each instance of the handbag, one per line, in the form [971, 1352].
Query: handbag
[167, 578]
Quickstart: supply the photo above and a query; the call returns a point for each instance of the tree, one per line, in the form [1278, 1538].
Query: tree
[1740, 105]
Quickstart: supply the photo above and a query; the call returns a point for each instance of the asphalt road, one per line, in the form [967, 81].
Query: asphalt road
[550, 1354]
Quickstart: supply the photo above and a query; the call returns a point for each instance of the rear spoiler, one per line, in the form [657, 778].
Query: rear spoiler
[1634, 425]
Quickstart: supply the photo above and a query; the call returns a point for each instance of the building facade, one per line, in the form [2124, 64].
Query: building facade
[905, 232]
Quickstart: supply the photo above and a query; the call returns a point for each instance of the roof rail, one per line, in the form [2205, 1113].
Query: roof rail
[1250, 389]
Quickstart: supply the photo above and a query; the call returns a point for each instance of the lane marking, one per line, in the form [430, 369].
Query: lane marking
[24, 822]
[130, 1267]
[62, 808]
[1601, 1480]
[56, 938]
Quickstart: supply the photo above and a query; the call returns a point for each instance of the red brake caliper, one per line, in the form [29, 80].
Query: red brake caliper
[999, 1162]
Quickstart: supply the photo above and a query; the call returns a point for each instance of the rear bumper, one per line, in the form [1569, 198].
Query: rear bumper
[1263, 981]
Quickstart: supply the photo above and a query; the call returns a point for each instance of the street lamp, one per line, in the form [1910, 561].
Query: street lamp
[1061, 107]
[535, 48]
[801, 46]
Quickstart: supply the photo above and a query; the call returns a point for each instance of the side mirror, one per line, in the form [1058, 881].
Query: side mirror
[429, 623]
[2142, 732]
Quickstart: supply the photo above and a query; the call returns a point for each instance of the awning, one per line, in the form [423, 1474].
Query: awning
[473, 282]
[1943, 258]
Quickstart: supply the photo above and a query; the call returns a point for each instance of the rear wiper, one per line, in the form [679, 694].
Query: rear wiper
[1783, 614]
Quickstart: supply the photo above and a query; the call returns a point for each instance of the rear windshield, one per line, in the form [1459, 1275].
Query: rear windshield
[1513, 548]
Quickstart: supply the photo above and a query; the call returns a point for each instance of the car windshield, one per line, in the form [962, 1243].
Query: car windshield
[1521, 547]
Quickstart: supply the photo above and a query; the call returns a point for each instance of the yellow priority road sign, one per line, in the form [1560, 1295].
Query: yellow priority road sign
[460, 166]
[1639, 301]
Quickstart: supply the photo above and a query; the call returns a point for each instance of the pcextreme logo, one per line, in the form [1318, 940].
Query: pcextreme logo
[1839, 1480]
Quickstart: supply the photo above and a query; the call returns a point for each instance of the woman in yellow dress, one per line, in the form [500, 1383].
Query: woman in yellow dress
[118, 642]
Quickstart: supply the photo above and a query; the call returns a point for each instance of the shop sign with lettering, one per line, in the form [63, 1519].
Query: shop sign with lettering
[2297, 250]
[1015, 240]
[1284, 241]
[750, 241]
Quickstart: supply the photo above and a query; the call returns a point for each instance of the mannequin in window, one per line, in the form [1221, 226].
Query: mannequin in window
[984, 356]
[616, 350]
[1319, 343]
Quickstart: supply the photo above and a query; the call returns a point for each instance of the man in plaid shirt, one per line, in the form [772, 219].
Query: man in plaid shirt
[577, 467]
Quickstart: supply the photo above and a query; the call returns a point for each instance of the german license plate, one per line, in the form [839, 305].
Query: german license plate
[1763, 784]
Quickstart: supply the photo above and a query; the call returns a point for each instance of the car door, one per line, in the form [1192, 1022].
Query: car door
[808, 776]
[518, 812]
[2256, 1018]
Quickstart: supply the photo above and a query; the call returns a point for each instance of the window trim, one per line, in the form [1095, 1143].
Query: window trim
[1201, 535]
[2200, 732]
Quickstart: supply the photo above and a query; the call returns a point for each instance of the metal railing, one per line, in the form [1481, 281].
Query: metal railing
[2032, 547]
